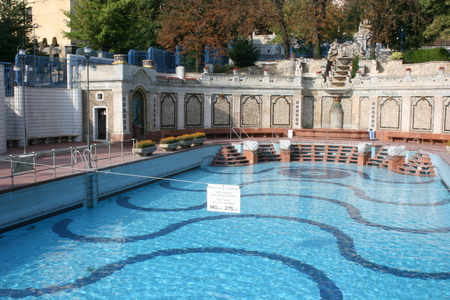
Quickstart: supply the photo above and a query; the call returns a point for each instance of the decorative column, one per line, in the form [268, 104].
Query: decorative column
[207, 111]
[180, 111]
[336, 113]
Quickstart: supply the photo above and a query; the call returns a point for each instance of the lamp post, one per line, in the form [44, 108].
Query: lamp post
[21, 56]
[34, 38]
[87, 55]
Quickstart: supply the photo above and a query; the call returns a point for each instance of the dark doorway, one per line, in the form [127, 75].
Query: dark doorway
[101, 123]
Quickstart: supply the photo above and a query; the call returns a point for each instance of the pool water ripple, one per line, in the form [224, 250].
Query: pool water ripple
[297, 223]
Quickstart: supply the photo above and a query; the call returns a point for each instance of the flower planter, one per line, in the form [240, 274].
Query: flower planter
[144, 151]
[199, 141]
[186, 144]
[169, 147]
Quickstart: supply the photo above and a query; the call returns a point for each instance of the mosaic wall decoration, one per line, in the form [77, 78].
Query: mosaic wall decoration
[281, 111]
[422, 109]
[168, 110]
[390, 112]
[308, 112]
[446, 113]
[193, 110]
[139, 110]
[364, 112]
[222, 108]
[251, 111]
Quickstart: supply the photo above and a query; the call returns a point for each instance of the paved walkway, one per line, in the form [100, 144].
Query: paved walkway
[49, 166]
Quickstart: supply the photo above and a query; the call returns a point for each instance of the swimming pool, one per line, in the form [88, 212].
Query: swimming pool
[305, 231]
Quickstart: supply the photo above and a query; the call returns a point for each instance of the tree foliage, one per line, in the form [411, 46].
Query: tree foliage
[114, 25]
[14, 28]
[318, 20]
[386, 16]
[195, 24]
[439, 10]
[243, 52]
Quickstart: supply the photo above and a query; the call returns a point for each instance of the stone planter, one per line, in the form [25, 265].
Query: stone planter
[199, 142]
[169, 147]
[144, 151]
[186, 144]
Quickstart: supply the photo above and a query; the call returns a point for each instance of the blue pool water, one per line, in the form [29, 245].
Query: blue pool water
[305, 231]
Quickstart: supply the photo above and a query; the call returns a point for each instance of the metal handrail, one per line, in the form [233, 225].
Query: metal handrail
[72, 165]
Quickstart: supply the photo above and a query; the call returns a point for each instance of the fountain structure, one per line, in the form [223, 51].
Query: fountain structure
[338, 79]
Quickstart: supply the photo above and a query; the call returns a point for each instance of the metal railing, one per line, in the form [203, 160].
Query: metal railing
[63, 162]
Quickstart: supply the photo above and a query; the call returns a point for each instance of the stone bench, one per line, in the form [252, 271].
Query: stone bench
[417, 139]
[49, 139]
[12, 142]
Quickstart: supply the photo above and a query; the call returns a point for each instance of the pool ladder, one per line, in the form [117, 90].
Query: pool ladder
[91, 190]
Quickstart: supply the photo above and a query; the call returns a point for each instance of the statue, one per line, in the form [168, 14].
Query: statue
[298, 68]
[333, 50]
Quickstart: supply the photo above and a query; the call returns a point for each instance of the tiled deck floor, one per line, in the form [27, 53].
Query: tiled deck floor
[103, 154]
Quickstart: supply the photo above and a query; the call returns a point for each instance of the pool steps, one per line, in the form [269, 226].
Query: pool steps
[419, 165]
[228, 156]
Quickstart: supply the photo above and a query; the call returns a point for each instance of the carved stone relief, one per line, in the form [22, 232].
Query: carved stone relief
[193, 110]
[168, 110]
[422, 109]
[364, 113]
[221, 110]
[251, 111]
[281, 111]
[390, 109]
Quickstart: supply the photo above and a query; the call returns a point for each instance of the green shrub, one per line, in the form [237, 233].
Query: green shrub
[144, 144]
[243, 53]
[223, 69]
[396, 55]
[425, 55]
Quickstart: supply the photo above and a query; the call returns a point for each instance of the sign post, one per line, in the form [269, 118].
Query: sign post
[223, 198]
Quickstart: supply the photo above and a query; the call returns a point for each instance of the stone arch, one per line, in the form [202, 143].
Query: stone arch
[138, 112]
[422, 109]
[390, 113]
[281, 111]
[446, 115]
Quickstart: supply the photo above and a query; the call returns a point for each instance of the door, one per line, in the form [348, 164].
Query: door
[101, 123]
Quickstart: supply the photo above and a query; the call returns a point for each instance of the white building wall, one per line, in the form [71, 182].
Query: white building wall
[49, 112]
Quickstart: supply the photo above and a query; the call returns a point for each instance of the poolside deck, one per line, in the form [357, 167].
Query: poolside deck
[63, 157]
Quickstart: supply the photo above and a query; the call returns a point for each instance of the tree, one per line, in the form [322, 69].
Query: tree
[14, 28]
[243, 52]
[385, 17]
[439, 10]
[197, 24]
[114, 25]
[317, 20]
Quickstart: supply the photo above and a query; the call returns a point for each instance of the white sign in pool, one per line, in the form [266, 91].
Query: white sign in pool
[223, 198]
